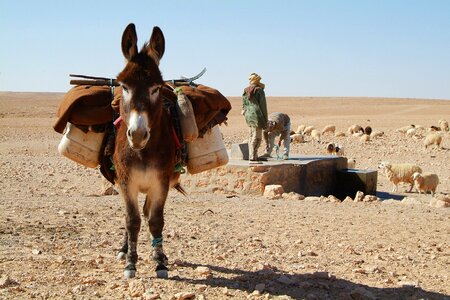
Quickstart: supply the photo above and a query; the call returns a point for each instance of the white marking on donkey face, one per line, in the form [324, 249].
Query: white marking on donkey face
[138, 132]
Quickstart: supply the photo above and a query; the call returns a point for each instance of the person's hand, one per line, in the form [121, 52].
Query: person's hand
[243, 112]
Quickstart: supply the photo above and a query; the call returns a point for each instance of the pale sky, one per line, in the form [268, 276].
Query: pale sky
[376, 48]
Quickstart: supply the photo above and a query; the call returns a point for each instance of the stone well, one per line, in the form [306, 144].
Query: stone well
[306, 175]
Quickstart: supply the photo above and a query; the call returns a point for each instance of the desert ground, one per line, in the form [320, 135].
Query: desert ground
[59, 237]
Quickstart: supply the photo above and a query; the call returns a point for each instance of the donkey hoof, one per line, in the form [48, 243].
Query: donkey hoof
[162, 272]
[127, 274]
[121, 255]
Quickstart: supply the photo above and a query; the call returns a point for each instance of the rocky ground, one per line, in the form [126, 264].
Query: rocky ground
[58, 237]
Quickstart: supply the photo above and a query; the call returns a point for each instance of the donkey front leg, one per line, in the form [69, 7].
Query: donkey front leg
[124, 249]
[154, 213]
[132, 225]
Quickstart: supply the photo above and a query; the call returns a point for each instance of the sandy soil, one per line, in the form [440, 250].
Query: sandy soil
[58, 238]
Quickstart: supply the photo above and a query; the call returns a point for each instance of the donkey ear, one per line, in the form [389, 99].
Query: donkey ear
[129, 42]
[157, 44]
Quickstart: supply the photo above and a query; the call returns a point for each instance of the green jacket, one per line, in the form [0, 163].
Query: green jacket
[255, 106]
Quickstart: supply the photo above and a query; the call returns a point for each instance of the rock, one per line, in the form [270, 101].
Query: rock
[442, 197]
[371, 198]
[6, 281]
[440, 200]
[292, 196]
[226, 292]
[332, 198]
[36, 251]
[347, 200]
[359, 196]
[78, 289]
[136, 288]
[184, 296]
[311, 198]
[410, 200]
[408, 283]
[202, 287]
[273, 191]
[359, 271]
[205, 271]
[150, 295]
[110, 191]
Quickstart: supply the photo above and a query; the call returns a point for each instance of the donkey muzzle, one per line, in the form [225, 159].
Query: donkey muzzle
[138, 132]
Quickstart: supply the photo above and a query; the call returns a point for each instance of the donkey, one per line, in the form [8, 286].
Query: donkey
[145, 152]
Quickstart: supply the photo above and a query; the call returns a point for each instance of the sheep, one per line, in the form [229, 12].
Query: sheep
[376, 134]
[335, 149]
[365, 138]
[411, 132]
[300, 128]
[315, 135]
[329, 128]
[339, 134]
[358, 134]
[330, 148]
[354, 129]
[404, 129]
[433, 138]
[368, 130]
[397, 173]
[351, 163]
[425, 182]
[308, 130]
[443, 124]
[434, 128]
[297, 138]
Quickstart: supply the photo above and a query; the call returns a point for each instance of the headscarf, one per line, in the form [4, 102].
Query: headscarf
[255, 79]
[255, 82]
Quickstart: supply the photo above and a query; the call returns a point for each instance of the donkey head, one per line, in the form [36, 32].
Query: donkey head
[141, 81]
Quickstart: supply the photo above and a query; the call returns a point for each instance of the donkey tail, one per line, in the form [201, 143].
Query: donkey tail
[180, 189]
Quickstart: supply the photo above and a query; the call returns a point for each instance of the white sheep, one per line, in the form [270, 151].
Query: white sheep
[443, 124]
[300, 128]
[351, 163]
[397, 173]
[308, 130]
[404, 129]
[297, 138]
[425, 182]
[433, 139]
[358, 134]
[315, 135]
[365, 138]
[376, 134]
[411, 132]
[328, 128]
[339, 134]
[354, 129]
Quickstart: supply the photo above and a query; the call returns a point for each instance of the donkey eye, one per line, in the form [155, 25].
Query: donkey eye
[154, 90]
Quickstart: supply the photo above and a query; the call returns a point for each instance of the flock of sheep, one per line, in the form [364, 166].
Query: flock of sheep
[396, 173]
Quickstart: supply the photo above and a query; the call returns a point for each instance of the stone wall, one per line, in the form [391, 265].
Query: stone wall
[309, 177]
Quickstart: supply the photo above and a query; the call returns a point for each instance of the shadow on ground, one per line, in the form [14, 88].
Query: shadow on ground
[386, 195]
[319, 285]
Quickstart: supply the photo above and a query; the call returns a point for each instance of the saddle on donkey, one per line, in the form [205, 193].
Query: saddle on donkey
[91, 112]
